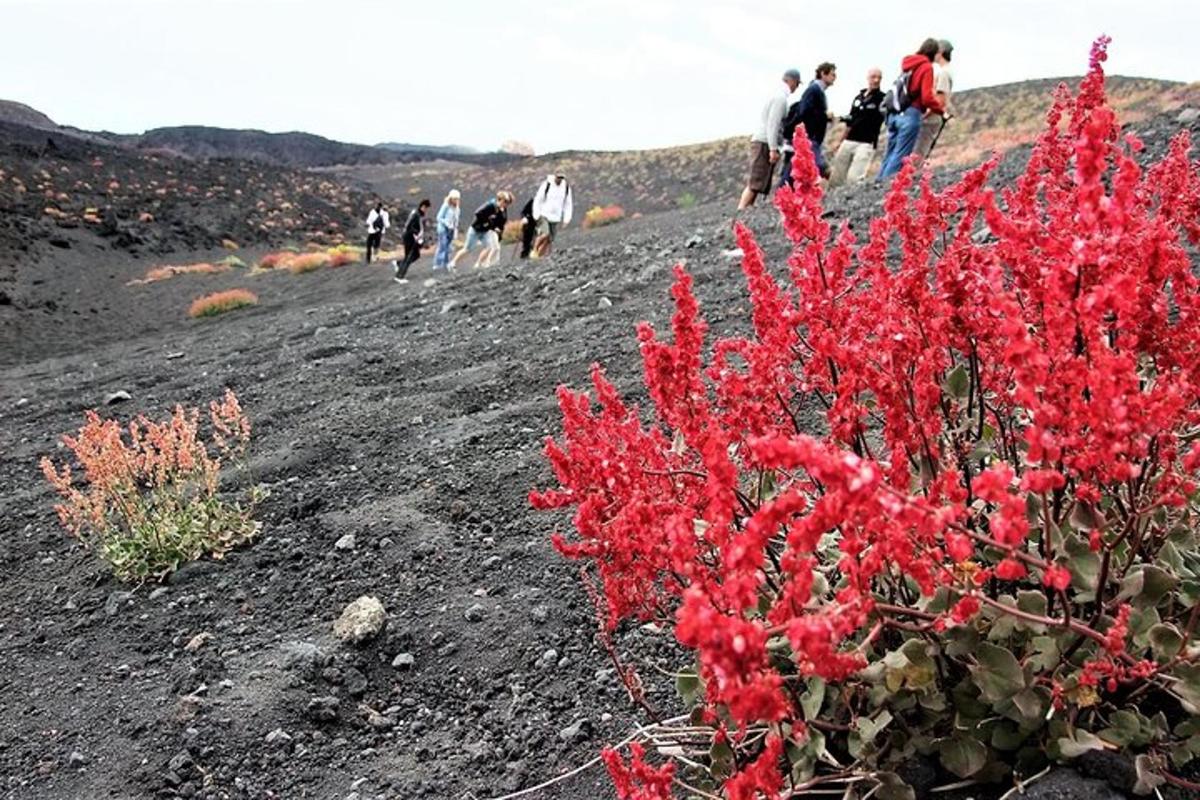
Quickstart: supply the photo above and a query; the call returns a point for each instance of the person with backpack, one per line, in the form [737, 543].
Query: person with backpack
[863, 124]
[813, 113]
[912, 98]
[377, 223]
[767, 141]
[447, 229]
[412, 238]
[490, 219]
[553, 204]
[943, 85]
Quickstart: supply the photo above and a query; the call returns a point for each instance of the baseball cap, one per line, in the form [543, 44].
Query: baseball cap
[792, 75]
[945, 46]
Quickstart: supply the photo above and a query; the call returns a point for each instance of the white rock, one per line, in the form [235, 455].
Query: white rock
[361, 620]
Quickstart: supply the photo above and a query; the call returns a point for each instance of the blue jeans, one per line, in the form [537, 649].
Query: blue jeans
[785, 174]
[903, 129]
[441, 258]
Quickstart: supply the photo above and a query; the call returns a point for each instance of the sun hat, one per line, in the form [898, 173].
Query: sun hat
[454, 195]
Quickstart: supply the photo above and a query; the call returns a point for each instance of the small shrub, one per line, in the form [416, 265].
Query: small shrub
[149, 498]
[307, 262]
[231, 262]
[229, 244]
[941, 500]
[686, 200]
[210, 305]
[170, 271]
[599, 216]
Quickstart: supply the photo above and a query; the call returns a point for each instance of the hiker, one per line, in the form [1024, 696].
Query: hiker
[911, 98]
[766, 142]
[943, 84]
[863, 123]
[485, 229]
[413, 236]
[447, 229]
[552, 205]
[813, 112]
[528, 229]
[377, 223]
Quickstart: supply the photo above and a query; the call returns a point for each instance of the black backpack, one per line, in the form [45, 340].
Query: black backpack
[791, 121]
[378, 224]
[898, 99]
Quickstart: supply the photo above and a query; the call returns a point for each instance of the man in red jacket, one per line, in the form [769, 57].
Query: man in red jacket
[911, 98]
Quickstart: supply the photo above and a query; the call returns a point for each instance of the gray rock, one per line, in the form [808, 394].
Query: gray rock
[279, 738]
[1188, 115]
[548, 659]
[403, 661]
[322, 709]
[695, 241]
[604, 303]
[158, 593]
[491, 561]
[76, 759]
[363, 619]
[347, 542]
[1066, 784]
[119, 396]
[380, 722]
[114, 602]
[578, 731]
[539, 613]
[354, 682]
[475, 613]
[302, 656]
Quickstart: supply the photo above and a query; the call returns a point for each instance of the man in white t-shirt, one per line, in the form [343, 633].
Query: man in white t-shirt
[943, 86]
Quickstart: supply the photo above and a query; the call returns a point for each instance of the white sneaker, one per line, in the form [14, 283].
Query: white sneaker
[400, 280]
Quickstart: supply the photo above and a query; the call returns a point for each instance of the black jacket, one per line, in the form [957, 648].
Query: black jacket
[865, 117]
[489, 217]
[414, 226]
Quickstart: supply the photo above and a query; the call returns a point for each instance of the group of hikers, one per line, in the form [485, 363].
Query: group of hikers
[915, 110]
[550, 207]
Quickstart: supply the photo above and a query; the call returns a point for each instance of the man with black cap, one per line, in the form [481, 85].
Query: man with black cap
[767, 142]
[943, 85]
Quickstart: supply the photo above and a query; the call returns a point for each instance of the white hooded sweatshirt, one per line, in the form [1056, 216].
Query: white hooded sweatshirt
[554, 202]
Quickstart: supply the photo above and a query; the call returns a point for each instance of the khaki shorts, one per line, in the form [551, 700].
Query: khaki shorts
[761, 168]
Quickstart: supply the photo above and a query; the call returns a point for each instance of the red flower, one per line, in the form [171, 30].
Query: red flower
[1057, 577]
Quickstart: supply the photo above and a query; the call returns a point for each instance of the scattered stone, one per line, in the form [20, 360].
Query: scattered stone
[695, 241]
[76, 759]
[735, 252]
[361, 620]
[577, 731]
[448, 305]
[158, 593]
[120, 396]
[475, 613]
[354, 682]
[1188, 115]
[548, 659]
[197, 641]
[302, 656]
[380, 722]
[279, 738]
[604, 303]
[173, 356]
[403, 661]
[114, 602]
[347, 542]
[491, 561]
[322, 709]
[539, 613]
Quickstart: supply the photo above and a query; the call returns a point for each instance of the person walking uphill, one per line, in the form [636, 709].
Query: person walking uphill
[766, 142]
[413, 237]
[447, 229]
[813, 112]
[490, 219]
[863, 123]
[377, 223]
[553, 204]
[943, 85]
[911, 98]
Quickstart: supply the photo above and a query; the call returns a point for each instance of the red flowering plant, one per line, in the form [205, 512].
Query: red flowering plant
[986, 552]
[150, 497]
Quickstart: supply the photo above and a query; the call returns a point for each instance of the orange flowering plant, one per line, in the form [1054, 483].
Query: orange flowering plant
[149, 499]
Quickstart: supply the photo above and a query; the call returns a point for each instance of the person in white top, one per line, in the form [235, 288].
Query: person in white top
[377, 223]
[553, 205]
[943, 86]
[767, 141]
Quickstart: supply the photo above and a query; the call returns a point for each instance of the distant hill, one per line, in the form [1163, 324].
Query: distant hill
[21, 114]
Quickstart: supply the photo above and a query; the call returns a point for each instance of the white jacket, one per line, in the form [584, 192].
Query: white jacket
[554, 202]
[387, 223]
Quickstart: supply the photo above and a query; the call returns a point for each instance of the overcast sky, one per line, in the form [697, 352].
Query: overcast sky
[603, 74]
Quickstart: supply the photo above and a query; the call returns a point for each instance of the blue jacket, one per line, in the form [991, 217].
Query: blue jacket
[447, 217]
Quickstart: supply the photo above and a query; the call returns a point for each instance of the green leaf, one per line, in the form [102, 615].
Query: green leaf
[1007, 735]
[962, 755]
[721, 759]
[1029, 702]
[1079, 743]
[892, 787]
[688, 686]
[958, 382]
[1084, 566]
[1188, 686]
[813, 698]
[1046, 654]
[961, 640]
[1032, 602]
[1123, 728]
[1085, 516]
[998, 673]
[1147, 778]
[1166, 641]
